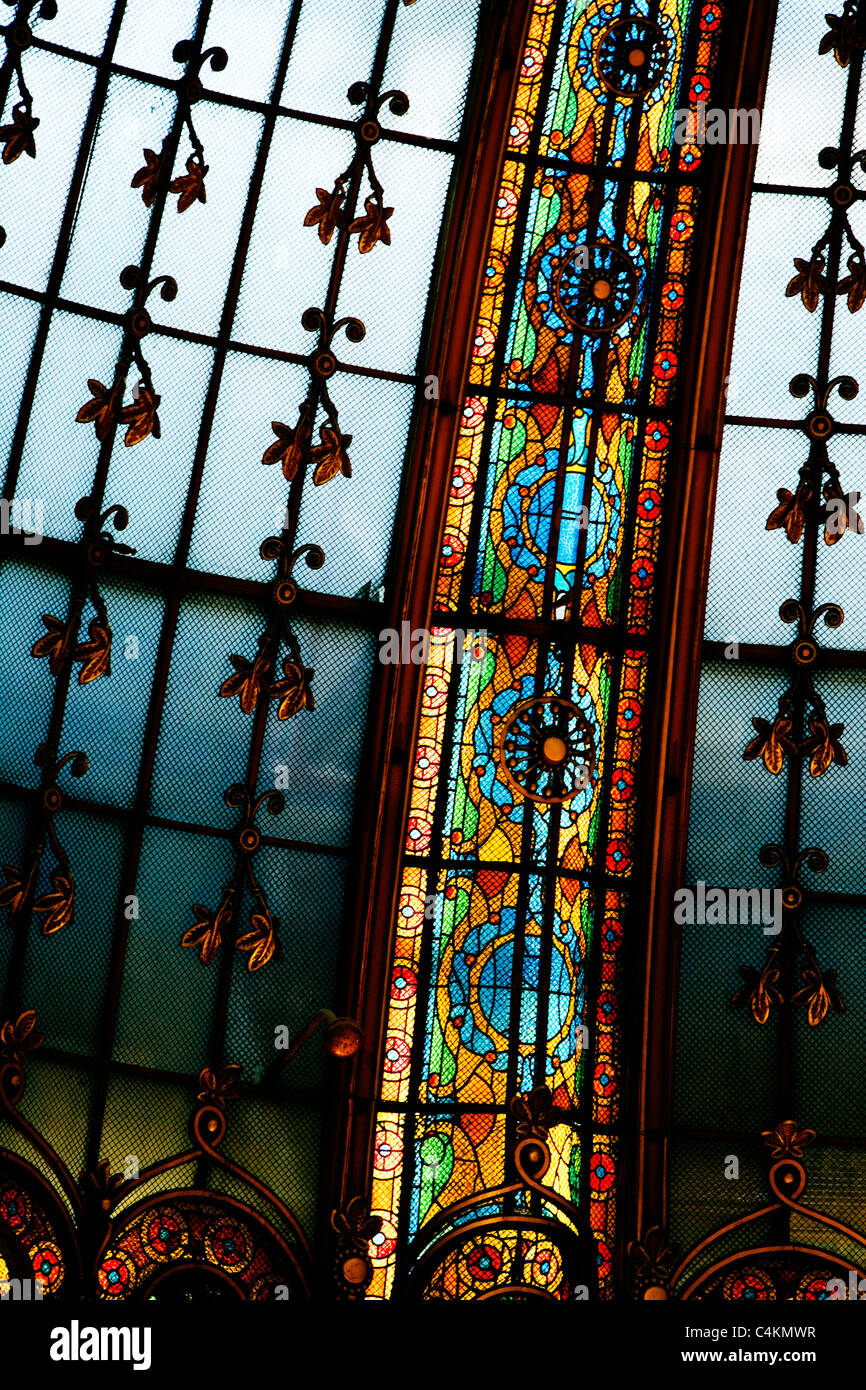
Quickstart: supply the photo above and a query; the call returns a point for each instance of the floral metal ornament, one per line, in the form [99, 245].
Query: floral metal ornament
[763, 989]
[535, 1113]
[215, 929]
[788, 1140]
[57, 904]
[797, 510]
[845, 34]
[18, 1038]
[219, 1085]
[258, 677]
[105, 409]
[775, 741]
[155, 173]
[293, 448]
[60, 643]
[17, 138]
[810, 282]
[332, 209]
[355, 1228]
[654, 1259]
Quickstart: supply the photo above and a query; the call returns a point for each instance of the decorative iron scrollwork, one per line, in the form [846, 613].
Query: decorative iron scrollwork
[84, 1247]
[58, 904]
[355, 1228]
[253, 678]
[330, 212]
[17, 138]
[810, 282]
[653, 1259]
[60, 643]
[788, 1140]
[214, 929]
[157, 167]
[845, 34]
[292, 448]
[763, 989]
[797, 509]
[106, 409]
[774, 742]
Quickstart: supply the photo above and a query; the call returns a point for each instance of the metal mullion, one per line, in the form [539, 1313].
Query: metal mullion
[769, 423]
[224, 988]
[760, 654]
[59, 554]
[61, 253]
[129, 872]
[107, 810]
[240, 103]
[306, 1095]
[789, 188]
[174, 595]
[796, 767]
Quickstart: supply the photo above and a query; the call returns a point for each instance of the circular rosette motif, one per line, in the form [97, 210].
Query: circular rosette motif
[163, 1234]
[542, 1265]
[547, 751]
[117, 1275]
[485, 1261]
[823, 1287]
[383, 1244]
[748, 1284]
[228, 1246]
[632, 57]
[15, 1209]
[47, 1262]
[596, 287]
[388, 1151]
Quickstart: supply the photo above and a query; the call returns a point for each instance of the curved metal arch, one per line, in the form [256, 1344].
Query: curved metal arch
[53, 1212]
[187, 1267]
[585, 1271]
[744, 1256]
[199, 1197]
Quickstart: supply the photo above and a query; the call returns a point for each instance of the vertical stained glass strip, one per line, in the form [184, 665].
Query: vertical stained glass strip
[515, 907]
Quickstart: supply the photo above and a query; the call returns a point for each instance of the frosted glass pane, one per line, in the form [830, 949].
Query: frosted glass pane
[447, 32]
[321, 71]
[152, 478]
[26, 592]
[287, 267]
[415, 183]
[110, 231]
[60, 454]
[252, 34]
[242, 501]
[197, 246]
[149, 32]
[805, 96]
[34, 190]
[754, 464]
[352, 518]
[736, 805]
[775, 337]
